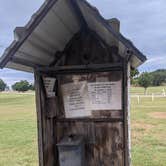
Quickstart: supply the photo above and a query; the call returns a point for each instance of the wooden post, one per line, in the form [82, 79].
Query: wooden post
[46, 138]
[126, 109]
[39, 119]
[138, 99]
[152, 97]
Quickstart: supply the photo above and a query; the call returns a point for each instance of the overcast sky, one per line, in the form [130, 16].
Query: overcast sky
[143, 22]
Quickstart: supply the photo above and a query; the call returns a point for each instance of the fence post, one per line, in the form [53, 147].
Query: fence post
[138, 99]
[152, 97]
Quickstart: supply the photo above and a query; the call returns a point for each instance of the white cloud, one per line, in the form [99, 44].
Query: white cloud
[158, 60]
[154, 63]
[12, 76]
[142, 21]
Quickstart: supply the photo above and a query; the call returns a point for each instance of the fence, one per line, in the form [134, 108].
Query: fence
[152, 96]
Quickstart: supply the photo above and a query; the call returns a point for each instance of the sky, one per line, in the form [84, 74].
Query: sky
[143, 22]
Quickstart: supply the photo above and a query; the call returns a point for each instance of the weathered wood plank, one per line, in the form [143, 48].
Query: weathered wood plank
[81, 69]
[89, 120]
[52, 108]
[96, 115]
[126, 108]
[105, 130]
[46, 138]
[39, 119]
[104, 141]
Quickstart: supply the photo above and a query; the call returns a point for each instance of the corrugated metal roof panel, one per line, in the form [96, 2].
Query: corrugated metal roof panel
[19, 67]
[51, 28]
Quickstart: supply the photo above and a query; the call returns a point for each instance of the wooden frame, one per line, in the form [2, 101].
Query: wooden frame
[46, 127]
[43, 123]
[81, 69]
[126, 111]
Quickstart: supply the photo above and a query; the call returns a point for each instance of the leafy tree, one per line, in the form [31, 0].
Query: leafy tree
[133, 74]
[2, 85]
[158, 77]
[31, 87]
[21, 86]
[145, 80]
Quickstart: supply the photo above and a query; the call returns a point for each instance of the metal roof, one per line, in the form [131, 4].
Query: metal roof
[52, 27]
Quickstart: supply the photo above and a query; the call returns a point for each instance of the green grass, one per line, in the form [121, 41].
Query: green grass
[148, 132]
[18, 136]
[150, 90]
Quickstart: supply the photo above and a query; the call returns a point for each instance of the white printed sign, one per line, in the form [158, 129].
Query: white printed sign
[76, 100]
[81, 98]
[49, 86]
[105, 95]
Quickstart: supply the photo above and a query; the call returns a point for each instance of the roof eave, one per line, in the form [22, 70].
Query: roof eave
[34, 22]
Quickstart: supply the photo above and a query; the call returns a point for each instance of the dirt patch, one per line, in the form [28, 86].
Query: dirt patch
[142, 126]
[139, 129]
[158, 115]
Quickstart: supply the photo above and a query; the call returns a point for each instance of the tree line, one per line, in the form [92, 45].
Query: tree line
[146, 79]
[20, 86]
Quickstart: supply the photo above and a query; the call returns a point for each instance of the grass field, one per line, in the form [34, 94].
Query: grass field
[150, 90]
[18, 145]
[18, 140]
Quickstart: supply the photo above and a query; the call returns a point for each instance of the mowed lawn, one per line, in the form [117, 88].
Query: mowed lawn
[18, 135]
[148, 124]
[158, 90]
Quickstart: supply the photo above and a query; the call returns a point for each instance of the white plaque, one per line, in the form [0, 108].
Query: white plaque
[81, 98]
[76, 100]
[105, 95]
[49, 86]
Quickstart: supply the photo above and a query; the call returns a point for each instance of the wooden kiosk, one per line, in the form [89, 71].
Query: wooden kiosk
[81, 65]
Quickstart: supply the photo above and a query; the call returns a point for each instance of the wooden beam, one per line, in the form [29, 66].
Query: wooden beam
[113, 120]
[46, 131]
[39, 119]
[126, 111]
[63, 70]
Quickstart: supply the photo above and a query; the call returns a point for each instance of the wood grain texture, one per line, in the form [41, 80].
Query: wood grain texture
[105, 132]
[126, 111]
[112, 76]
[39, 119]
[46, 139]
[104, 141]
[86, 47]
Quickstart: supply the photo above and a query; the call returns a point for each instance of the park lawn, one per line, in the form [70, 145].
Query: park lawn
[140, 90]
[148, 124]
[18, 135]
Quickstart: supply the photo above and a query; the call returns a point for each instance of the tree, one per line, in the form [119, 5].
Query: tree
[145, 80]
[133, 74]
[31, 87]
[2, 85]
[158, 77]
[21, 86]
